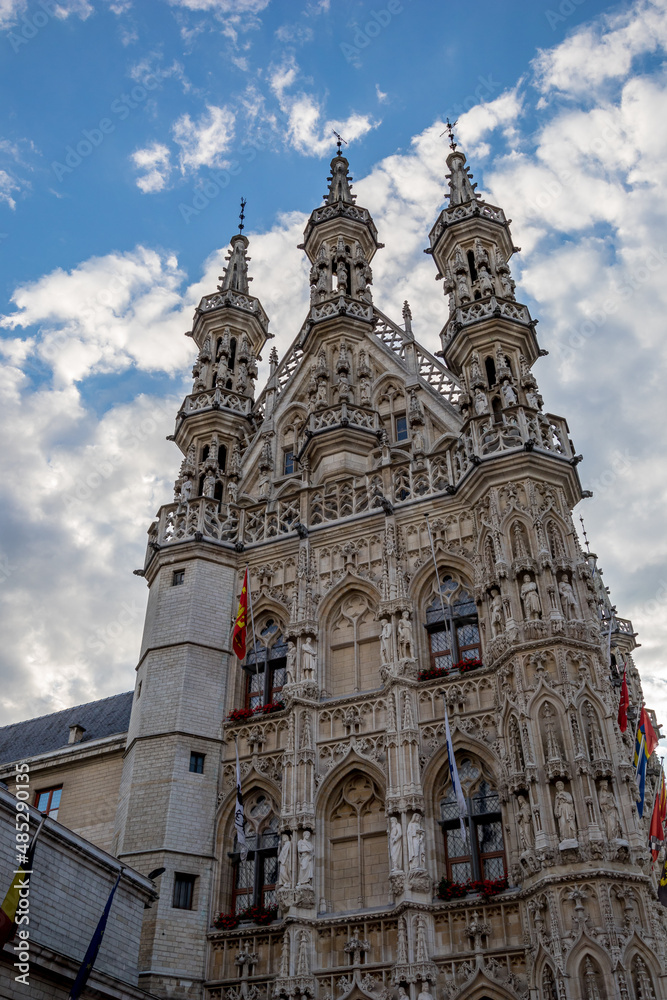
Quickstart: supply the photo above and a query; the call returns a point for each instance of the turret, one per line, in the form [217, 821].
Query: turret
[340, 240]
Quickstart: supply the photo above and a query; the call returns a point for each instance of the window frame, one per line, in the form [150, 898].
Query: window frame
[258, 856]
[178, 577]
[289, 462]
[270, 663]
[402, 432]
[51, 810]
[197, 758]
[451, 625]
[475, 856]
[183, 879]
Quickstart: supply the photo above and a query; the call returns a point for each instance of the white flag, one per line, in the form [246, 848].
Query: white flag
[454, 775]
[239, 815]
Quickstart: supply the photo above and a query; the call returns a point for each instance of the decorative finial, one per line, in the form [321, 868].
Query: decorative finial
[242, 214]
[339, 140]
[450, 132]
[583, 531]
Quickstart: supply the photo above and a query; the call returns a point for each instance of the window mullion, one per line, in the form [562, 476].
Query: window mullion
[474, 844]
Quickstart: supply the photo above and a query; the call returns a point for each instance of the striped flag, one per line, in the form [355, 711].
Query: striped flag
[645, 743]
[241, 623]
[657, 830]
[20, 887]
[94, 947]
[454, 775]
[239, 814]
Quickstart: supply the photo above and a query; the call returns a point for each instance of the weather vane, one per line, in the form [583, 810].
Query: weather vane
[583, 529]
[242, 214]
[450, 132]
[339, 140]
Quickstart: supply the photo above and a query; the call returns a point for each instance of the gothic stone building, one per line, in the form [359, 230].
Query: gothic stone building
[329, 485]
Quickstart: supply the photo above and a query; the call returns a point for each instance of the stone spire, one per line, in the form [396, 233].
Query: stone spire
[461, 188]
[235, 277]
[339, 183]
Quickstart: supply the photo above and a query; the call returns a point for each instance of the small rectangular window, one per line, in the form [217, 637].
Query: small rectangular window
[184, 886]
[288, 463]
[178, 578]
[48, 801]
[401, 428]
[197, 762]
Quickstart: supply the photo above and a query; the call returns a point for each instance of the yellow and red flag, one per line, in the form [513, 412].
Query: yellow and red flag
[657, 830]
[241, 623]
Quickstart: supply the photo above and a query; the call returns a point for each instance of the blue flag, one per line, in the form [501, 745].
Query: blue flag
[93, 948]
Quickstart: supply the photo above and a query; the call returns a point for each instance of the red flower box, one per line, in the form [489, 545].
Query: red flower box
[261, 915]
[486, 887]
[463, 666]
[244, 714]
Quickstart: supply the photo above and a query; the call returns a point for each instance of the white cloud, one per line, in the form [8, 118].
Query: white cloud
[7, 186]
[203, 142]
[105, 315]
[310, 135]
[224, 6]
[586, 190]
[155, 161]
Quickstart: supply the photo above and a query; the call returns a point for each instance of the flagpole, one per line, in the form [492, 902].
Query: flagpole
[442, 602]
[252, 624]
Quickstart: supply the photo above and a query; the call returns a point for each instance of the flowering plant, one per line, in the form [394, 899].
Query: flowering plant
[486, 887]
[243, 714]
[463, 666]
[261, 915]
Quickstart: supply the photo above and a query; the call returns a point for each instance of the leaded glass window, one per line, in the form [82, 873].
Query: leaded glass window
[481, 854]
[265, 666]
[255, 878]
[453, 636]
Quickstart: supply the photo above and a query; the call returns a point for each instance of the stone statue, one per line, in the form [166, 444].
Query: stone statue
[364, 392]
[186, 490]
[396, 844]
[306, 851]
[416, 843]
[481, 402]
[497, 622]
[531, 599]
[461, 189]
[322, 392]
[568, 600]
[532, 400]
[309, 658]
[609, 812]
[424, 993]
[386, 653]
[209, 486]
[285, 864]
[525, 823]
[341, 277]
[232, 491]
[564, 813]
[290, 667]
[405, 637]
[509, 395]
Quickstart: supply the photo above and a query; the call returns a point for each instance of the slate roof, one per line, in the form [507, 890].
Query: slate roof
[50, 732]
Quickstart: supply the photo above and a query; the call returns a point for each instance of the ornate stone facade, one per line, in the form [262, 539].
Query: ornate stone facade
[362, 446]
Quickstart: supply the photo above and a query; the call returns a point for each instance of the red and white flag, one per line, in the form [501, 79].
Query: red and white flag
[657, 829]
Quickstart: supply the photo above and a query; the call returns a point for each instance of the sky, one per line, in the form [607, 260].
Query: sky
[129, 133]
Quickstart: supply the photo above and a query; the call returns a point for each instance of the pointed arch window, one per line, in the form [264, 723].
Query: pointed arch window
[454, 637]
[255, 878]
[265, 666]
[482, 854]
